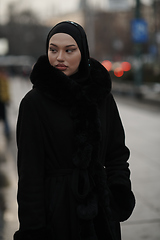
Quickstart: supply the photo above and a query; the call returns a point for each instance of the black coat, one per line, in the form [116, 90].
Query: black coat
[74, 180]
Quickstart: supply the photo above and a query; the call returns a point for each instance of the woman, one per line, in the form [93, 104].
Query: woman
[4, 100]
[72, 160]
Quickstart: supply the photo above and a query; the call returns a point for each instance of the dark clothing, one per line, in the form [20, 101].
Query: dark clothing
[2, 111]
[4, 100]
[74, 180]
[4, 95]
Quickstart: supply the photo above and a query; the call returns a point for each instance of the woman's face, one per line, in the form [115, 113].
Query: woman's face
[64, 53]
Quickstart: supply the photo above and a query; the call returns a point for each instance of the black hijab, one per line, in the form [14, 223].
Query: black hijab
[78, 34]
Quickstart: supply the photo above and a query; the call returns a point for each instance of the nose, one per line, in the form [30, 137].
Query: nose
[60, 56]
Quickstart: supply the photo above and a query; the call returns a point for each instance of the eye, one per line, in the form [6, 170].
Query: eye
[53, 50]
[70, 50]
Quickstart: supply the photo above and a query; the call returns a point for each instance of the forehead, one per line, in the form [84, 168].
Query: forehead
[62, 39]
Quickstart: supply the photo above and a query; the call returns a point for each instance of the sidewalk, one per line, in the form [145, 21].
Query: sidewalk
[142, 127]
[8, 204]
[8, 189]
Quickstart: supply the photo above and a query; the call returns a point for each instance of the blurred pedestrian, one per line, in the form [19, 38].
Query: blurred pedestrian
[4, 101]
[74, 177]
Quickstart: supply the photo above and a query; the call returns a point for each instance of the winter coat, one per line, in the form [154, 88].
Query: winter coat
[74, 178]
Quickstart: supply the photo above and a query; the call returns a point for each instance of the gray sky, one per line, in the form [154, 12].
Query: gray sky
[48, 8]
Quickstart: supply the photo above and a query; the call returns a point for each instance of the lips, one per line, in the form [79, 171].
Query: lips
[61, 67]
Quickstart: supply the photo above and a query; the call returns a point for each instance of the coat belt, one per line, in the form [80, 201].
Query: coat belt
[80, 183]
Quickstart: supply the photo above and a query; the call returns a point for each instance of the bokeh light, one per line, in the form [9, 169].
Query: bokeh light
[107, 64]
[126, 66]
[118, 72]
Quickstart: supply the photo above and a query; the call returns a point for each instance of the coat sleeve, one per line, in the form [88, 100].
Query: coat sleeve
[117, 167]
[30, 195]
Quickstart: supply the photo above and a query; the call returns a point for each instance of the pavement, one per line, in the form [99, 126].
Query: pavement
[142, 127]
[140, 114]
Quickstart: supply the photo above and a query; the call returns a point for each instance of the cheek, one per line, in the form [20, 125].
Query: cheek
[73, 65]
[51, 58]
[76, 61]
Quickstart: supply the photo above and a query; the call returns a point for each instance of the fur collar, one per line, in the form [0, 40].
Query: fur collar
[64, 89]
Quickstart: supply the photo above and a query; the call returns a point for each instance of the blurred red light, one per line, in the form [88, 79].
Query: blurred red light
[118, 72]
[126, 66]
[107, 64]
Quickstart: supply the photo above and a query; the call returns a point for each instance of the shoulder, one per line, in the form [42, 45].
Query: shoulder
[30, 108]
[100, 74]
[31, 99]
[99, 70]
[100, 78]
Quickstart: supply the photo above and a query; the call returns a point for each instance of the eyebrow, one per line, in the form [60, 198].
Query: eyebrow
[71, 45]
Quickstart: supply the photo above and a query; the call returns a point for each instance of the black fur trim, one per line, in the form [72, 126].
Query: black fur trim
[64, 89]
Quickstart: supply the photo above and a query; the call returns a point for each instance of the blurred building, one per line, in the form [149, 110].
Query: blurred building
[109, 29]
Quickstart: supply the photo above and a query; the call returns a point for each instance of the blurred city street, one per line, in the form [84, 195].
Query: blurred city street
[142, 126]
